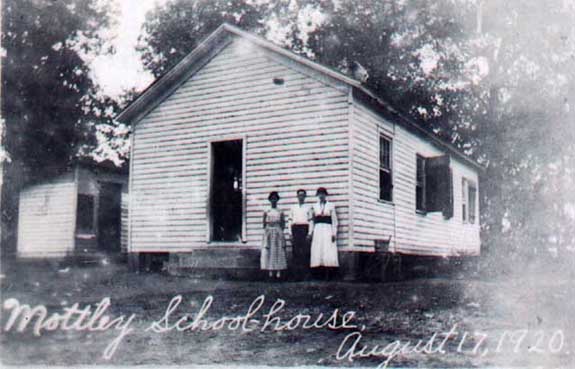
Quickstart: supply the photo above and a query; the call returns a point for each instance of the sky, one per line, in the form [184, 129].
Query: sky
[123, 70]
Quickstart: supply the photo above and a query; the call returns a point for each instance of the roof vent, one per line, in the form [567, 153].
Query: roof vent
[359, 72]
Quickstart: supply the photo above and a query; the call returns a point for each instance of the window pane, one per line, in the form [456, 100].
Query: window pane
[420, 184]
[472, 200]
[385, 185]
[419, 204]
[385, 175]
[420, 170]
[85, 214]
[384, 153]
[464, 199]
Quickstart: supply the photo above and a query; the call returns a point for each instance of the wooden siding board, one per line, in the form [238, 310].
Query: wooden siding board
[413, 233]
[350, 168]
[304, 153]
[124, 203]
[372, 219]
[431, 232]
[222, 110]
[268, 117]
[253, 90]
[46, 221]
[296, 137]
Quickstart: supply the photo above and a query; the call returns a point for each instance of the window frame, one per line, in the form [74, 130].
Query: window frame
[209, 181]
[383, 168]
[423, 209]
[471, 213]
[464, 200]
[468, 212]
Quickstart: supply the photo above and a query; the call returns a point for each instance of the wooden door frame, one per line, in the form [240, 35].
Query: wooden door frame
[210, 163]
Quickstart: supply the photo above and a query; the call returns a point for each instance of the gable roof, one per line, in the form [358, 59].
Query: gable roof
[153, 95]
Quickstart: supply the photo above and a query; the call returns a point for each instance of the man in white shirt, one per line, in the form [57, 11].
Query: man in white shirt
[299, 225]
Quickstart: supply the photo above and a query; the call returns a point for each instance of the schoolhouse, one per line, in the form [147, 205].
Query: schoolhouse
[79, 213]
[239, 117]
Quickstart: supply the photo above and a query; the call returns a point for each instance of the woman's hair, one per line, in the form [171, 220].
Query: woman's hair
[321, 190]
[274, 194]
[301, 190]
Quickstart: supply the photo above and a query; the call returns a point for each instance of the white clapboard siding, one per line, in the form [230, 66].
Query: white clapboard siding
[295, 136]
[46, 221]
[414, 233]
[372, 218]
[125, 199]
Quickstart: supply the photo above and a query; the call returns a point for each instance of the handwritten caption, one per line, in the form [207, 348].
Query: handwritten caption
[259, 318]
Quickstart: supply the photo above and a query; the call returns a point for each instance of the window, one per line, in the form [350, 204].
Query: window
[85, 214]
[434, 185]
[472, 192]
[464, 198]
[385, 178]
[420, 184]
[468, 201]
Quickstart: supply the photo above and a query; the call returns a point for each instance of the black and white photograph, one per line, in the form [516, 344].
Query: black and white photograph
[287, 183]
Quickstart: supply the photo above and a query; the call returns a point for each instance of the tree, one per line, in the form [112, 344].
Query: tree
[173, 30]
[111, 137]
[496, 79]
[528, 130]
[46, 81]
[45, 88]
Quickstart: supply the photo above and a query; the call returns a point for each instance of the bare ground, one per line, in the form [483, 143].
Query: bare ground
[500, 310]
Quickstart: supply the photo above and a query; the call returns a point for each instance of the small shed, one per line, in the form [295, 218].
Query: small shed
[239, 117]
[81, 212]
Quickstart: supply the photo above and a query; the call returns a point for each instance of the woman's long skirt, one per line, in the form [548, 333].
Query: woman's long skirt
[323, 250]
[273, 256]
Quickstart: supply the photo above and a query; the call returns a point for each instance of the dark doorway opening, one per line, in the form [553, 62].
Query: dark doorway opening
[226, 191]
[109, 217]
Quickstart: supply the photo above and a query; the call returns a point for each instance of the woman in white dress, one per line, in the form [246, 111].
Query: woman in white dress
[324, 223]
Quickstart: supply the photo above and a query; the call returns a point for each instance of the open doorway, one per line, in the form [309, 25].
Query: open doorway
[226, 191]
[109, 217]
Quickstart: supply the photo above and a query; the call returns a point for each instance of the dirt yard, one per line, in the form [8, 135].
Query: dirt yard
[527, 322]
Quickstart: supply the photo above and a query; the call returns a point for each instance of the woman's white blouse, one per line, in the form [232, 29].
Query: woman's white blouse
[327, 209]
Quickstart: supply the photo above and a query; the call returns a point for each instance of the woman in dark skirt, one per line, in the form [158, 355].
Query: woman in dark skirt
[273, 256]
[324, 253]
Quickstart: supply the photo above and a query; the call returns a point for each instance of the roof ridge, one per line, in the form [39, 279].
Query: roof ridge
[131, 111]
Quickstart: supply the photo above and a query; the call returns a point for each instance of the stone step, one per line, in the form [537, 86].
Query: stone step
[216, 263]
[217, 258]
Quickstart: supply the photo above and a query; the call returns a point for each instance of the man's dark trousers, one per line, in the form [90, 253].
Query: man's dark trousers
[301, 250]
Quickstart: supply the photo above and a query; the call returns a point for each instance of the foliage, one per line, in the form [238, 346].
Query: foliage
[111, 137]
[46, 85]
[494, 78]
[172, 31]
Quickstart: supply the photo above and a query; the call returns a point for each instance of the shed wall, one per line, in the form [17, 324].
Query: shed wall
[47, 219]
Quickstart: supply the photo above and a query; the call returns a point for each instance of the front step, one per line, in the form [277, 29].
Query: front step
[217, 258]
[236, 263]
[216, 263]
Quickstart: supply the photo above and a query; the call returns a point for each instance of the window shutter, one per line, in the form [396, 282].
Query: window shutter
[438, 185]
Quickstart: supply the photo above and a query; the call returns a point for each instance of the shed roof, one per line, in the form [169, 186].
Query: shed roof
[104, 167]
[161, 87]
